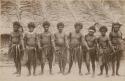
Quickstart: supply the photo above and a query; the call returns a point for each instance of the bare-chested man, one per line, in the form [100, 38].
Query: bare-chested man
[91, 53]
[115, 38]
[47, 46]
[30, 40]
[16, 46]
[75, 42]
[104, 46]
[61, 46]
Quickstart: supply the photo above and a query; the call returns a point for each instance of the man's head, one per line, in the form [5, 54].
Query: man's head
[60, 26]
[91, 30]
[103, 30]
[31, 26]
[46, 25]
[16, 26]
[78, 26]
[116, 26]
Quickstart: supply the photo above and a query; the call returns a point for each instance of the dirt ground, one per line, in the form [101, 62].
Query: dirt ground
[6, 74]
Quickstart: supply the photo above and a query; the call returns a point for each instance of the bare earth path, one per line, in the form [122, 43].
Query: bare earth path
[6, 74]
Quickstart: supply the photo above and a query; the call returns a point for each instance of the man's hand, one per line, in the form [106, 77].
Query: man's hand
[39, 48]
[54, 59]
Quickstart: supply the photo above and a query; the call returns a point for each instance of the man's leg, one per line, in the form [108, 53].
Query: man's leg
[87, 63]
[29, 63]
[117, 66]
[93, 65]
[16, 65]
[19, 66]
[101, 69]
[42, 66]
[60, 64]
[15, 59]
[50, 59]
[70, 63]
[63, 65]
[34, 64]
[29, 68]
[113, 67]
[79, 59]
[106, 68]
[43, 59]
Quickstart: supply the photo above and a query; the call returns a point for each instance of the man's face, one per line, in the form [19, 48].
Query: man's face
[60, 28]
[116, 28]
[91, 32]
[15, 27]
[31, 29]
[46, 28]
[103, 32]
[77, 28]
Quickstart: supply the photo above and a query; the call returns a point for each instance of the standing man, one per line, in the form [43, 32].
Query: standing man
[61, 46]
[104, 46]
[116, 38]
[47, 46]
[16, 46]
[30, 40]
[91, 54]
[76, 40]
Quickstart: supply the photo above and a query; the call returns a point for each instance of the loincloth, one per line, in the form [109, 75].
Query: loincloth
[16, 51]
[31, 54]
[118, 52]
[61, 53]
[47, 53]
[104, 55]
[75, 53]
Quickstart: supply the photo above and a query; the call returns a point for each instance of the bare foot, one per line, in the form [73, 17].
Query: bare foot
[80, 73]
[100, 74]
[68, 73]
[117, 74]
[59, 72]
[93, 75]
[51, 73]
[41, 73]
[34, 74]
[87, 73]
[15, 72]
[107, 75]
[29, 75]
[113, 74]
[18, 75]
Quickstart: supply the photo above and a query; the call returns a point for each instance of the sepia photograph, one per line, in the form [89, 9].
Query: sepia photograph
[62, 40]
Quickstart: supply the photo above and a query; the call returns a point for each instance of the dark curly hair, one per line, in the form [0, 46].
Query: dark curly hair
[60, 24]
[92, 28]
[103, 28]
[31, 24]
[46, 23]
[78, 24]
[17, 24]
[116, 23]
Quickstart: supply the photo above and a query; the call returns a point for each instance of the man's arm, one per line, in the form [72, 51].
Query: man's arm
[25, 39]
[53, 45]
[110, 44]
[38, 41]
[66, 41]
[53, 41]
[84, 43]
[22, 40]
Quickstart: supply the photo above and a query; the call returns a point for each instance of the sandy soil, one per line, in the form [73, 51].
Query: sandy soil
[6, 74]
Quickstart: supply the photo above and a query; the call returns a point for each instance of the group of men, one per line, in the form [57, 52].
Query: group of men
[46, 46]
